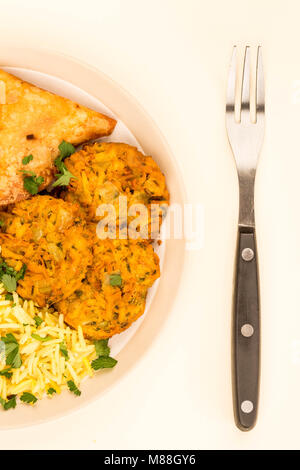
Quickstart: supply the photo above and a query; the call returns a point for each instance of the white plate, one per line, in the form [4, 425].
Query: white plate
[77, 81]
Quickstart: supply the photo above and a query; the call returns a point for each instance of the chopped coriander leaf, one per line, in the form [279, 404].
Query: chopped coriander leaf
[115, 280]
[10, 403]
[59, 164]
[73, 388]
[12, 353]
[38, 321]
[27, 397]
[103, 362]
[27, 159]
[5, 268]
[27, 173]
[9, 282]
[9, 277]
[63, 349]
[63, 178]
[20, 274]
[9, 297]
[40, 338]
[6, 373]
[9, 338]
[102, 348]
[1, 223]
[66, 149]
[31, 183]
[51, 390]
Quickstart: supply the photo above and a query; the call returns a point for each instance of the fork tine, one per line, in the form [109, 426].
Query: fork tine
[260, 91]
[245, 101]
[230, 103]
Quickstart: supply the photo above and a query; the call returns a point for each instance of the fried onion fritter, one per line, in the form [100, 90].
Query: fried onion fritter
[105, 171]
[113, 295]
[45, 234]
[32, 218]
[55, 266]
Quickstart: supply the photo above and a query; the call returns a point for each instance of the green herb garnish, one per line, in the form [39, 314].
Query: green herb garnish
[27, 159]
[103, 362]
[9, 282]
[10, 403]
[66, 149]
[20, 274]
[32, 182]
[9, 277]
[115, 280]
[6, 269]
[6, 373]
[73, 388]
[102, 348]
[63, 177]
[63, 349]
[40, 338]
[9, 297]
[12, 352]
[27, 397]
[38, 321]
[51, 390]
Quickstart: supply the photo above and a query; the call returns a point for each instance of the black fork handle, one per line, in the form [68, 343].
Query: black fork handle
[246, 332]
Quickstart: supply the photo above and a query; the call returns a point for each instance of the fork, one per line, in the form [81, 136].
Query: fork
[245, 138]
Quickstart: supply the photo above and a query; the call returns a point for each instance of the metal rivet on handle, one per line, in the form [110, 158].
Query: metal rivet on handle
[247, 406]
[247, 330]
[247, 254]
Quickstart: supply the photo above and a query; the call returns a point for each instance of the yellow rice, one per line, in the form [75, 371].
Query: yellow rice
[43, 364]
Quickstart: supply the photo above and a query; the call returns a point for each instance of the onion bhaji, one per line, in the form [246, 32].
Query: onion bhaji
[53, 246]
[104, 171]
[113, 295]
[32, 218]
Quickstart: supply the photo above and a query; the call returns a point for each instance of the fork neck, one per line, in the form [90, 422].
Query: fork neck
[246, 204]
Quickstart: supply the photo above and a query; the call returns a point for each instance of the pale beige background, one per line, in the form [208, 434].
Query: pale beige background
[173, 56]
